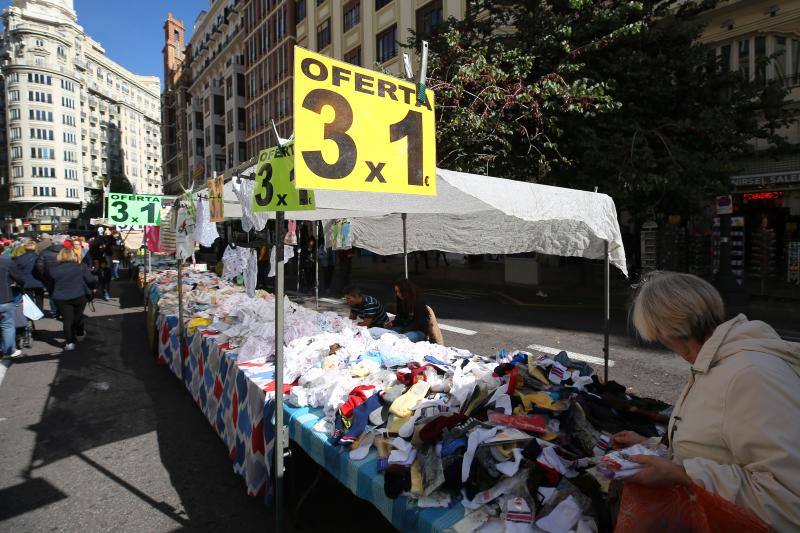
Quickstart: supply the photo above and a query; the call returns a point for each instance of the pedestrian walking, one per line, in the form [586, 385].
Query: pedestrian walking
[26, 263]
[9, 274]
[72, 284]
[103, 273]
[48, 258]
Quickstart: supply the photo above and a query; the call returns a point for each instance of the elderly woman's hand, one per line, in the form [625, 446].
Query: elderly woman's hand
[623, 439]
[659, 472]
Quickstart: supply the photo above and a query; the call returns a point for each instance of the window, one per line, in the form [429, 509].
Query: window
[69, 138]
[324, 34]
[228, 87]
[176, 35]
[19, 190]
[240, 85]
[352, 15]
[780, 58]
[70, 174]
[386, 44]
[13, 77]
[38, 152]
[240, 118]
[43, 172]
[428, 17]
[744, 58]
[230, 155]
[16, 172]
[761, 58]
[69, 120]
[40, 114]
[208, 136]
[219, 163]
[16, 134]
[380, 3]
[354, 56]
[280, 23]
[207, 105]
[41, 134]
[68, 102]
[72, 193]
[14, 114]
[219, 104]
[16, 152]
[68, 85]
[725, 58]
[39, 42]
[37, 96]
[300, 10]
[219, 135]
[44, 191]
[41, 79]
[13, 96]
[242, 152]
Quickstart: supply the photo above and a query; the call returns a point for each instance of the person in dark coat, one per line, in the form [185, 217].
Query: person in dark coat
[72, 283]
[9, 273]
[48, 258]
[26, 262]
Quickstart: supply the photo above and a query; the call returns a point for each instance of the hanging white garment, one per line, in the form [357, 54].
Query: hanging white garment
[244, 192]
[184, 238]
[234, 262]
[251, 272]
[205, 231]
[288, 253]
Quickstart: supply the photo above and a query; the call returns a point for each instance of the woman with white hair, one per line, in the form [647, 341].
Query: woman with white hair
[735, 429]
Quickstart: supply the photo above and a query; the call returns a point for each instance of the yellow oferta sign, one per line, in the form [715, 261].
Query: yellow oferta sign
[359, 130]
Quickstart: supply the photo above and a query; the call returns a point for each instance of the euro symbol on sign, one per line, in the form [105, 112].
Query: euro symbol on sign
[375, 172]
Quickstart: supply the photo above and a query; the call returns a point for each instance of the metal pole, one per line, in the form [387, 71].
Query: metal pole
[180, 302]
[279, 433]
[405, 245]
[316, 264]
[606, 311]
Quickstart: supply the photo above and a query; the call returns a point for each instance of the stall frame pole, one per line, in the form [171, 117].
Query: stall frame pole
[317, 227]
[606, 309]
[279, 312]
[180, 302]
[404, 216]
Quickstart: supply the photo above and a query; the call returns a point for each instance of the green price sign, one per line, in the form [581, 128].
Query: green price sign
[275, 186]
[130, 209]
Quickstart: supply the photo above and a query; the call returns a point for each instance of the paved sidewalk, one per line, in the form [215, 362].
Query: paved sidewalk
[103, 439]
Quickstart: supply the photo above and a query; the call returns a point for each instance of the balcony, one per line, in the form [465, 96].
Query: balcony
[92, 102]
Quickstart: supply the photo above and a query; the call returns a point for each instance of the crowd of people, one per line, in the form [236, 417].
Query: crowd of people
[69, 269]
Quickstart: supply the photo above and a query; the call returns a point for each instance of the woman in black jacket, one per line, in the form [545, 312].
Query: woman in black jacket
[71, 291]
[26, 262]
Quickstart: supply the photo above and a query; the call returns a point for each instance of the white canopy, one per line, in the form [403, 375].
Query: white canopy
[473, 214]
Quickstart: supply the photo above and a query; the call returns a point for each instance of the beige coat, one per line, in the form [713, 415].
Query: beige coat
[736, 426]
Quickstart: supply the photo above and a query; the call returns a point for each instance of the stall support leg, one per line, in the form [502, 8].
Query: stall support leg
[316, 266]
[606, 311]
[180, 301]
[405, 245]
[279, 433]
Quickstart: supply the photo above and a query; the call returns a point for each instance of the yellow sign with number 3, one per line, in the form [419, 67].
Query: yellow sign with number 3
[359, 130]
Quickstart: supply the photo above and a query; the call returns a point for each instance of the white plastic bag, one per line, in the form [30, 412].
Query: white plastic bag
[29, 309]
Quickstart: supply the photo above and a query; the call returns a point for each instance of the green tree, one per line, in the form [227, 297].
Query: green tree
[581, 93]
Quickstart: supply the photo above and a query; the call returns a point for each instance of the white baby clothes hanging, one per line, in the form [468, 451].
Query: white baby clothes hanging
[250, 272]
[184, 238]
[243, 188]
[205, 231]
[234, 262]
[288, 253]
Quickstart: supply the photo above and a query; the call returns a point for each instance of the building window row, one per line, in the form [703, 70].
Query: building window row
[70, 138]
[13, 96]
[41, 79]
[386, 44]
[43, 172]
[69, 120]
[68, 102]
[41, 134]
[40, 152]
[70, 174]
[44, 191]
[352, 15]
[40, 114]
[762, 58]
[324, 34]
[70, 157]
[16, 152]
[13, 113]
[72, 193]
[68, 85]
[38, 96]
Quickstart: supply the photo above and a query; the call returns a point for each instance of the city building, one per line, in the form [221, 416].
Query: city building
[174, 107]
[761, 39]
[215, 104]
[362, 32]
[74, 119]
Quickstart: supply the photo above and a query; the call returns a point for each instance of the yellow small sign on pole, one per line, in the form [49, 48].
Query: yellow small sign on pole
[275, 188]
[360, 130]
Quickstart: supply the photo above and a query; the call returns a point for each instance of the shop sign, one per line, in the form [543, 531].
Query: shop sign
[216, 200]
[360, 130]
[45, 227]
[787, 179]
[724, 205]
[275, 188]
[756, 196]
[141, 209]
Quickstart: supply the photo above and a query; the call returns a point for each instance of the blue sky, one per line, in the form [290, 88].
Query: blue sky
[131, 30]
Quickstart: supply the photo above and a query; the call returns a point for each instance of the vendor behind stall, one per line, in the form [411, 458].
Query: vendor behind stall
[367, 309]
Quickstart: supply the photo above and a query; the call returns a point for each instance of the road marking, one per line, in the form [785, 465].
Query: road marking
[3, 367]
[454, 329]
[572, 355]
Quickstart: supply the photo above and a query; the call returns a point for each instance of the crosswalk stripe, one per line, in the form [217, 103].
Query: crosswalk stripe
[572, 355]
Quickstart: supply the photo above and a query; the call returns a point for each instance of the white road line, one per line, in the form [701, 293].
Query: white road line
[3, 367]
[572, 355]
[456, 329]
[445, 327]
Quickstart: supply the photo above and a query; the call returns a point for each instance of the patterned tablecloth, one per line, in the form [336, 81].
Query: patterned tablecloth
[237, 399]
